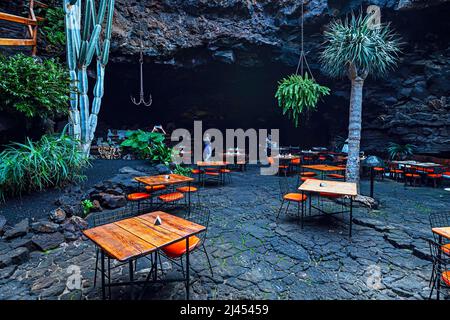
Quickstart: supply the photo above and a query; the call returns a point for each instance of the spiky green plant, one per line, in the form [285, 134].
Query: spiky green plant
[297, 94]
[52, 161]
[398, 151]
[357, 48]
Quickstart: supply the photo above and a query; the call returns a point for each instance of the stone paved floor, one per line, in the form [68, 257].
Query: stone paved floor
[256, 256]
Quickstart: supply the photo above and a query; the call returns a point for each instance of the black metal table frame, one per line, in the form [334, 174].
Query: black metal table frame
[220, 180]
[322, 173]
[326, 213]
[153, 271]
[188, 196]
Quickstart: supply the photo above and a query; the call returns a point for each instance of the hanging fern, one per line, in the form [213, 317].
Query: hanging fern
[297, 94]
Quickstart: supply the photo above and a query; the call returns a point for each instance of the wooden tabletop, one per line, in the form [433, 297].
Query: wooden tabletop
[212, 163]
[419, 164]
[323, 167]
[443, 232]
[130, 238]
[162, 180]
[335, 187]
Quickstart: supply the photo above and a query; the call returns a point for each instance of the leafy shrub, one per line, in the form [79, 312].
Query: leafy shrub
[36, 89]
[184, 171]
[141, 142]
[53, 27]
[53, 161]
[399, 151]
[161, 153]
[296, 94]
[87, 206]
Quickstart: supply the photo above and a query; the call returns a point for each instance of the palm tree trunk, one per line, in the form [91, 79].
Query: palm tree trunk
[354, 130]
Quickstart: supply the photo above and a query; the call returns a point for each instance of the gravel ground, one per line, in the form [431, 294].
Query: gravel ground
[38, 204]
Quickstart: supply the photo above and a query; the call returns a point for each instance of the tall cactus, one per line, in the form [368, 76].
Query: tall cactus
[82, 46]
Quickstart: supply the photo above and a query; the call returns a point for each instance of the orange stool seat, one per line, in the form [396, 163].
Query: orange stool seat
[322, 158]
[446, 277]
[212, 173]
[169, 197]
[434, 175]
[379, 169]
[295, 161]
[307, 178]
[177, 249]
[336, 176]
[309, 174]
[446, 248]
[297, 197]
[155, 188]
[139, 196]
[225, 170]
[396, 171]
[187, 189]
[412, 175]
[196, 171]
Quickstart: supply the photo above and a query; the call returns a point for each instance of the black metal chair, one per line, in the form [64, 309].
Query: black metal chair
[441, 273]
[438, 220]
[412, 176]
[288, 195]
[102, 218]
[200, 214]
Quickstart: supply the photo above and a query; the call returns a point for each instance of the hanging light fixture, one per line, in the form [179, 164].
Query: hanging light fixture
[141, 99]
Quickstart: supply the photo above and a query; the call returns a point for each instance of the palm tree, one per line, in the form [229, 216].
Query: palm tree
[356, 48]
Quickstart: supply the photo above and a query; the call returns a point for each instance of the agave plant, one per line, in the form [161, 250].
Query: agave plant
[400, 151]
[52, 161]
[297, 94]
[356, 48]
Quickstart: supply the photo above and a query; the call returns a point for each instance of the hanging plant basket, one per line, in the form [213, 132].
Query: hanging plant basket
[297, 94]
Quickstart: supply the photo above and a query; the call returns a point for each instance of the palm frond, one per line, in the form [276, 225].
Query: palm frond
[352, 41]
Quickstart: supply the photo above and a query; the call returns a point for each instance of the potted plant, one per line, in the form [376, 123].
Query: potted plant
[298, 93]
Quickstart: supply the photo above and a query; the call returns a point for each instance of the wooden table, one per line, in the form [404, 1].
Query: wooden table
[331, 187]
[167, 180]
[164, 179]
[214, 164]
[323, 168]
[443, 232]
[424, 165]
[238, 158]
[129, 239]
